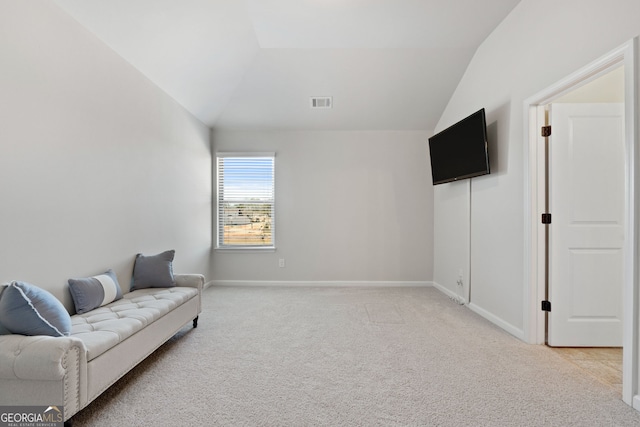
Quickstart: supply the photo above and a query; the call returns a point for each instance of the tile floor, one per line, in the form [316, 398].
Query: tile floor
[604, 363]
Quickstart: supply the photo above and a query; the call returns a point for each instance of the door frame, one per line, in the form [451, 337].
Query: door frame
[534, 250]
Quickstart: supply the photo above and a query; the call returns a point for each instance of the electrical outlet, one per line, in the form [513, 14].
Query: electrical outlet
[281, 262]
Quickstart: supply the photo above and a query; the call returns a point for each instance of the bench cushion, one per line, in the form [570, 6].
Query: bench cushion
[106, 326]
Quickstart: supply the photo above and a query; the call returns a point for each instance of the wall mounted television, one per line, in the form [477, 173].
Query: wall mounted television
[460, 151]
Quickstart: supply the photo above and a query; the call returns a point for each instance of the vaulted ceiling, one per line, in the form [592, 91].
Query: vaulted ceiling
[254, 64]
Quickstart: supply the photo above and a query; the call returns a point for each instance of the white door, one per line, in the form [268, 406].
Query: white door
[586, 200]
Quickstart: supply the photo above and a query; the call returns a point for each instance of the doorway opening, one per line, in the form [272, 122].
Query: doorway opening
[621, 60]
[586, 138]
[585, 197]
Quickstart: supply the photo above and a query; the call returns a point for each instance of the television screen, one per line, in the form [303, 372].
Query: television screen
[460, 151]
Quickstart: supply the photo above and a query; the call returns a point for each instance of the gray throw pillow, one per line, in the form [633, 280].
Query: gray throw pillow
[155, 271]
[26, 309]
[93, 292]
[3, 330]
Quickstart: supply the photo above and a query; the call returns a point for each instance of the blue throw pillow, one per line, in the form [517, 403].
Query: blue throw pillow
[155, 271]
[26, 309]
[93, 292]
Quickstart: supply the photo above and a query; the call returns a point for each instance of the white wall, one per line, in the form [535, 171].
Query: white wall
[538, 44]
[350, 206]
[452, 235]
[96, 163]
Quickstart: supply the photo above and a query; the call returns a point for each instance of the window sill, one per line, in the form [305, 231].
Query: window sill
[245, 249]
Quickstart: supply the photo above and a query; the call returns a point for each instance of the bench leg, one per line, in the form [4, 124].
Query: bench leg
[195, 322]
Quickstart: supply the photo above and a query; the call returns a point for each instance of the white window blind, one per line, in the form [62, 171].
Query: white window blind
[246, 188]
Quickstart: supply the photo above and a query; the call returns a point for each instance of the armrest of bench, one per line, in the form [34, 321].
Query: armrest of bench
[43, 370]
[191, 281]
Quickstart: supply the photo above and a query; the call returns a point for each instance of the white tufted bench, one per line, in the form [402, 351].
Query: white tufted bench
[104, 327]
[105, 344]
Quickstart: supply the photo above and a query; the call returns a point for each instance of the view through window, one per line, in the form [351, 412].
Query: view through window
[245, 200]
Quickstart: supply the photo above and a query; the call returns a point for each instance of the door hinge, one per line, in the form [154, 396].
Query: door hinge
[546, 218]
[546, 131]
[546, 306]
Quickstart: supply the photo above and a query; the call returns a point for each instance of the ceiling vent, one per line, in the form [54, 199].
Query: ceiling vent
[321, 102]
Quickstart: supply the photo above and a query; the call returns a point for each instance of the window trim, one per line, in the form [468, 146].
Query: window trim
[244, 248]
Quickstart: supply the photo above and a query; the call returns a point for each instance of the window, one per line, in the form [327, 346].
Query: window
[245, 200]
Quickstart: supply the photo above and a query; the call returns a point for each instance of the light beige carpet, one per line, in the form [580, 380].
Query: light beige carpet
[288, 356]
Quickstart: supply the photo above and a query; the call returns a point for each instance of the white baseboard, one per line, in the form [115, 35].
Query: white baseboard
[518, 333]
[321, 283]
[636, 402]
[454, 296]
